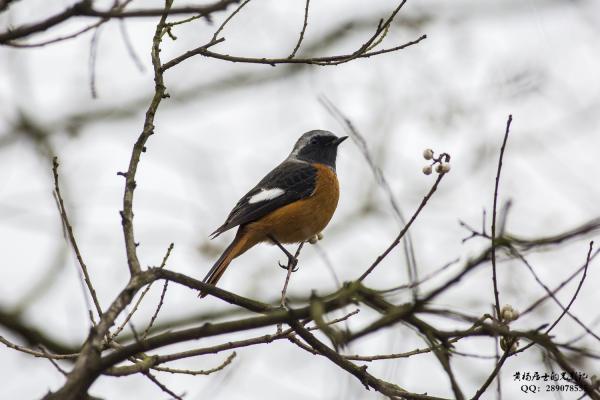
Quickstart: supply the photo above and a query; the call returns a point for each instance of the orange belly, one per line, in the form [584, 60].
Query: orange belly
[302, 219]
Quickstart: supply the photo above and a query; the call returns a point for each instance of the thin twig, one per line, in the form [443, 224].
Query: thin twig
[116, 6]
[224, 364]
[409, 252]
[290, 269]
[494, 278]
[162, 295]
[405, 229]
[545, 297]
[326, 260]
[381, 29]
[120, 328]
[130, 49]
[566, 309]
[577, 338]
[204, 10]
[161, 385]
[330, 60]
[493, 375]
[139, 301]
[369, 381]
[84, 8]
[92, 62]
[69, 228]
[497, 356]
[305, 24]
[226, 21]
[53, 361]
[35, 353]
[189, 54]
[160, 303]
[154, 361]
[292, 262]
[57, 39]
[140, 145]
[407, 354]
[441, 352]
[424, 279]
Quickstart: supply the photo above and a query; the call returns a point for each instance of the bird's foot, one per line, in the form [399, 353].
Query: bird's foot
[292, 263]
[292, 260]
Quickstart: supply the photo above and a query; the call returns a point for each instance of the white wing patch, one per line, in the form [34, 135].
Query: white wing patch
[266, 194]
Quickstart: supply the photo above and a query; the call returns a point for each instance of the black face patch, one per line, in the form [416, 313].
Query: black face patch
[319, 148]
[297, 180]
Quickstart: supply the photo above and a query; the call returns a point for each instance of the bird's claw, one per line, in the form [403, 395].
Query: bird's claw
[291, 261]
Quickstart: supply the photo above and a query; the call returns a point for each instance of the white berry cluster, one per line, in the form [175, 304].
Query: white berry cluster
[507, 343]
[441, 162]
[508, 313]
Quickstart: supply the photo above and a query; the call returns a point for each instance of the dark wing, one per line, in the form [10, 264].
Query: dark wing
[297, 180]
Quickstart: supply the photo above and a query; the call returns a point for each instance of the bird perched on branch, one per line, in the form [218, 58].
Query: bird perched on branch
[291, 204]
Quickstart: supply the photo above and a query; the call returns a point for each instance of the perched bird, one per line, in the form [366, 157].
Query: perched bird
[291, 204]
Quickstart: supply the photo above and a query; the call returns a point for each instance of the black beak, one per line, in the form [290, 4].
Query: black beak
[339, 140]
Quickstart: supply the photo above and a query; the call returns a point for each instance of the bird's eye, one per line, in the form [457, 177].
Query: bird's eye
[314, 140]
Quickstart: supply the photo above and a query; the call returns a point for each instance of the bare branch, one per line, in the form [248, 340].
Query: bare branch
[229, 18]
[388, 389]
[140, 145]
[160, 303]
[494, 279]
[83, 8]
[161, 386]
[71, 235]
[35, 353]
[224, 364]
[53, 361]
[360, 141]
[191, 53]
[331, 60]
[405, 229]
[565, 310]
[304, 25]
[116, 6]
[492, 376]
[92, 62]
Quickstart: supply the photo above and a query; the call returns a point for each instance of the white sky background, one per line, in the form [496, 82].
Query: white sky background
[538, 60]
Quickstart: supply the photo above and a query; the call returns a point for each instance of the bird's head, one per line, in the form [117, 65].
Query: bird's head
[317, 147]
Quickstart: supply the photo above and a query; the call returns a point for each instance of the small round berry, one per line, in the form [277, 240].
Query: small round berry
[505, 342]
[427, 170]
[438, 168]
[445, 167]
[508, 314]
[428, 154]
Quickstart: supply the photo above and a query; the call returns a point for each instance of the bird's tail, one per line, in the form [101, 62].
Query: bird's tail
[239, 245]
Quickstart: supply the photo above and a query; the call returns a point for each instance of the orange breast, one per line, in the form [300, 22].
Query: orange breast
[304, 218]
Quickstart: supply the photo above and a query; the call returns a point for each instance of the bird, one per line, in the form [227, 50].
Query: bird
[291, 204]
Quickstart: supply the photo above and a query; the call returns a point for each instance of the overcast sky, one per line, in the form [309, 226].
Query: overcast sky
[226, 125]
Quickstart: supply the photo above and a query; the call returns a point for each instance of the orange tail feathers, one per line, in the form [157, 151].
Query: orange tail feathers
[240, 244]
